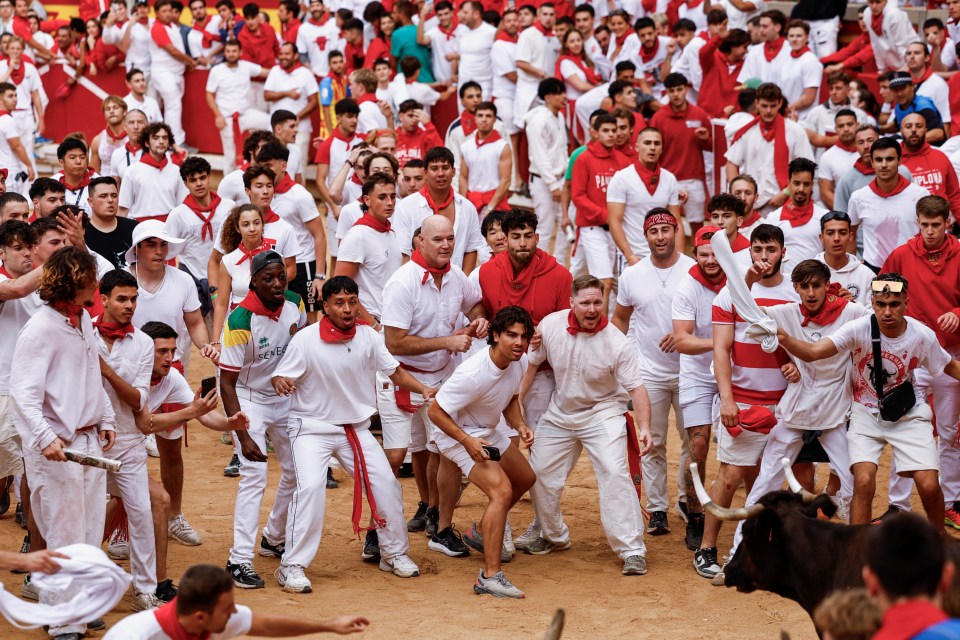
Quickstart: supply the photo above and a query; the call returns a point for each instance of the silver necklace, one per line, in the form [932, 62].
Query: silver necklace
[663, 281]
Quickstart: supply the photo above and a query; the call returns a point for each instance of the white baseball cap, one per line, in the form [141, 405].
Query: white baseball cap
[153, 229]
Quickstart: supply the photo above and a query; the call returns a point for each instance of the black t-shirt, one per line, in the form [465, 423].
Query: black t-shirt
[114, 244]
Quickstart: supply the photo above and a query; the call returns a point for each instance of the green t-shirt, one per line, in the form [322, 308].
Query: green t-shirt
[573, 158]
[403, 43]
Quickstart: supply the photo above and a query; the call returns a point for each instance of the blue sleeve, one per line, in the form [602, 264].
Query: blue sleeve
[326, 92]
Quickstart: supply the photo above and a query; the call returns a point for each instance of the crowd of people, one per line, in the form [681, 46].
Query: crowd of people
[480, 304]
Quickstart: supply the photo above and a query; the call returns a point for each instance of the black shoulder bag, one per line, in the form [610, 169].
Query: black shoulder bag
[895, 403]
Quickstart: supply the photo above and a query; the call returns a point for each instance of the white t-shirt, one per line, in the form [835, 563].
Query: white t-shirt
[13, 315]
[756, 65]
[9, 130]
[503, 56]
[31, 82]
[693, 301]
[121, 160]
[176, 296]
[131, 357]
[282, 237]
[737, 19]
[835, 163]
[173, 388]
[349, 214]
[755, 156]
[802, 73]
[300, 79]
[146, 191]
[144, 626]
[652, 312]
[160, 61]
[149, 106]
[378, 257]
[440, 47]
[232, 86]
[916, 347]
[475, 45]
[309, 38]
[185, 224]
[627, 188]
[937, 90]
[297, 207]
[887, 222]
[803, 242]
[413, 210]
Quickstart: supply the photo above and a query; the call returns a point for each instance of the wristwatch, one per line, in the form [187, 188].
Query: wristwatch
[320, 276]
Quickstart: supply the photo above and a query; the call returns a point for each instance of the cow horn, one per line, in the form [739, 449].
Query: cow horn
[795, 484]
[718, 512]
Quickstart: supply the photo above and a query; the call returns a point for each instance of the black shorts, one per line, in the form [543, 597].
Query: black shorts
[301, 285]
[812, 452]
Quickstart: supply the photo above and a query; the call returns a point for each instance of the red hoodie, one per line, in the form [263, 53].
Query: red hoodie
[719, 80]
[934, 286]
[541, 288]
[592, 171]
[682, 149]
[414, 146]
[932, 170]
[858, 53]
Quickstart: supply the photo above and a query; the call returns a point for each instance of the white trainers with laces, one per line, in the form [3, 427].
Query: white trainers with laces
[496, 585]
[150, 444]
[180, 530]
[529, 536]
[29, 590]
[400, 565]
[292, 578]
[118, 550]
[144, 602]
[508, 540]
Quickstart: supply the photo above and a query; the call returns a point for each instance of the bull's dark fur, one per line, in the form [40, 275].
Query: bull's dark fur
[786, 550]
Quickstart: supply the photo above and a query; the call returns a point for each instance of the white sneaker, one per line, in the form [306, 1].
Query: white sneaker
[180, 530]
[150, 444]
[292, 578]
[29, 590]
[119, 550]
[531, 535]
[144, 602]
[496, 585]
[400, 565]
[508, 545]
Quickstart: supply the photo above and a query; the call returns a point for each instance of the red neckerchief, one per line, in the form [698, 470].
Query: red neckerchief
[649, 177]
[143, 21]
[330, 333]
[208, 39]
[591, 74]
[468, 122]
[252, 303]
[850, 149]
[436, 208]
[367, 220]
[771, 49]
[113, 330]
[248, 255]
[115, 138]
[797, 54]
[927, 72]
[4, 112]
[757, 419]
[753, 218]
[697, 274]
[647, 57]
[913, 154]
[908, 619]
[16, 75]
[73, 312]
[621, 40]
[493, 137]
[448, 34]
[132, 148]
[539, 27]
[775, 132]
[296, 65]
[322, 21]
[876, 22]
[339, 136]
[506, 37]
[935, 259]
[166, 614]
[211, 209]
[863, 167]
[80, 186]
[286, 183]
[148, 160]
[417, 257]
[355, 180]
[902, 183]
[741, 243]
[797, 216]
[270, 216]
[4, 272]
[833, 304]
[573, 327]
[367, 97]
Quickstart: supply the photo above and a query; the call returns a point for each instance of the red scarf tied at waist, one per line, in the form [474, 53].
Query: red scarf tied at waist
[417, 258]
[591, 74]
[775, 132]
[169, 623]
[633, 455]
[797, 216]
[756, 418]
[113, 330]
[833, 304]
[204, 213]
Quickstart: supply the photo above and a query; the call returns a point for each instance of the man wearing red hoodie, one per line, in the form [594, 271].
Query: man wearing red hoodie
[931, 261]
[416, 134]
[592, 170]
[530, 278]
[930, 167]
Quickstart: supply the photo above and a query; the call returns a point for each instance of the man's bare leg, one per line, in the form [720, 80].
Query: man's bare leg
[160, 507]
[171, 472]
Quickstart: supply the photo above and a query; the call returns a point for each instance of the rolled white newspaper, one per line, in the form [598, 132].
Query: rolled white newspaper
[92, 461]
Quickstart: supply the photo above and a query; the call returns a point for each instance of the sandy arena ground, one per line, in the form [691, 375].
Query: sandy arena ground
[671, 601]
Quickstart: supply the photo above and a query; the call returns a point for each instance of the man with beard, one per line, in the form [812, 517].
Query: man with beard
[332, 380]
[750, 383]
[589, 411]
[692, 315]
[134, 123]
[930, 167]
[292, 87]
[153, 186]
[799, 217]
[648, 308]
[839, 159]
[863, 172]
[113, 137]
[468, 412]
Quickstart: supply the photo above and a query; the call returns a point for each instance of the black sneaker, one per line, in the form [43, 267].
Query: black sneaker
[891, 510]
[24, 548]
[683, 511]
[658, 524]
[694, 531]
[5, 495]
[271, 550]
[405, 470]
[166, 591]
[705, 562]
[232, 470]
[331, 481]
[245, 576]
[96, 625]
[371, 547]
[449, 542]
[419, 520]
[433, 518]
[18, 516]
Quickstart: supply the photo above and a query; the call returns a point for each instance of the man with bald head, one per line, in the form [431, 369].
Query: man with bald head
[930, 167]
[422, 303]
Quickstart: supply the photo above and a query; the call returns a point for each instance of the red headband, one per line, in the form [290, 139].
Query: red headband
[660, 218]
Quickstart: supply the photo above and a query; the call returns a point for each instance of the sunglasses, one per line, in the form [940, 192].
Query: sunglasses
[887, 286]
[835, 215]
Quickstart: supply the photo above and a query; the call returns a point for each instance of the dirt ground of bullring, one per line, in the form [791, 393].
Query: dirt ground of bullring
[671, 601]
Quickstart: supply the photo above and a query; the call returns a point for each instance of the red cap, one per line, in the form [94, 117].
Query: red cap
[699, 240]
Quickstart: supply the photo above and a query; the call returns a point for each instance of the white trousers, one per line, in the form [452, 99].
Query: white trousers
[823, 36]
[946, 410]
[170, 88]
[663, 395]
[132, 485]
[538, 396]
[68, 503]
[548, 220]
[311, 457]
[249, 120]
[784, 442]
[557, 450]
[265, 419]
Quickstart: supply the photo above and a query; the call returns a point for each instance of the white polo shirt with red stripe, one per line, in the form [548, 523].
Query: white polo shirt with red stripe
[334, 152]
[160, 60]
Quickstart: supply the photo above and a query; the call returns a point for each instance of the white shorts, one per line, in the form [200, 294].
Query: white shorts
[911, 437]
[696, 403]
[11, 451]
[457, 453]
[696, 203]
[402, 429]
[743, 451]
[505, 113]
[173, 434]
[598, 250]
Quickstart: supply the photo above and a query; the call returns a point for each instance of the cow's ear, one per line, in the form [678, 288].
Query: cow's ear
[823, 504]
